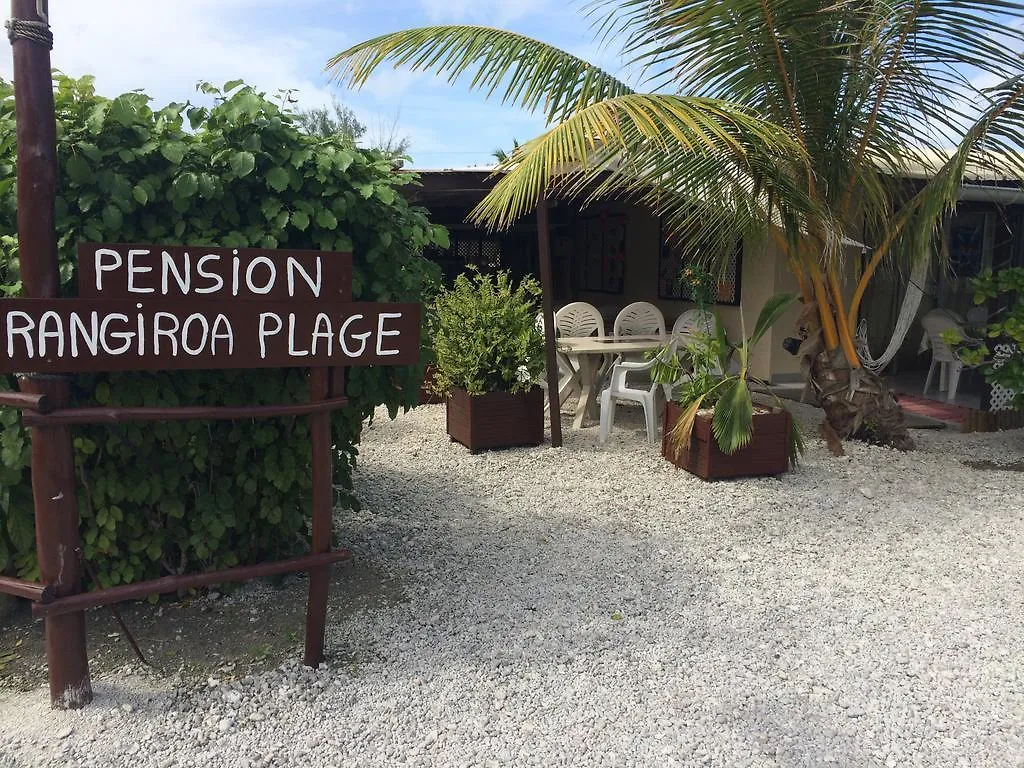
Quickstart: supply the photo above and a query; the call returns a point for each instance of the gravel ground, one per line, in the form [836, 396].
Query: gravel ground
[593, 606]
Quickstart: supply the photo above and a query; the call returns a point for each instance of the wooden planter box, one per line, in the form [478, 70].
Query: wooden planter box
[766, 454]
[496, 419]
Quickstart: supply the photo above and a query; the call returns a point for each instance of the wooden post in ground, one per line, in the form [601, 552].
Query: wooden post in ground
[548, 304]
[323, 384]
[53, 459]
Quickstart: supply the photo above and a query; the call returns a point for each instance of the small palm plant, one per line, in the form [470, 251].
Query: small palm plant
[726, 394]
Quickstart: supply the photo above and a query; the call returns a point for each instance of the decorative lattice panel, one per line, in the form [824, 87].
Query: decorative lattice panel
[490, 253]
[1001, 397]
[671, 264]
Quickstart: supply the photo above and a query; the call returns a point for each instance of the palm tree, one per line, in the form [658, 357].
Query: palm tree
[791, 121]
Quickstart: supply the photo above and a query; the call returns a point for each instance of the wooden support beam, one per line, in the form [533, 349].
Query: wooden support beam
[25, 401]
[548, 304]
[143, 589]
[110, 415]
[30, 590]
[53, 459]
[320, 388]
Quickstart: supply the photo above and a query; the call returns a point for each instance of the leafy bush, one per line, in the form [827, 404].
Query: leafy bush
[170, 497]
[485, 336]
[1005, 327]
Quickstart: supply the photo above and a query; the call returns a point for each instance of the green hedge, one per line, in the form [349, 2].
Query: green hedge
[173, 497]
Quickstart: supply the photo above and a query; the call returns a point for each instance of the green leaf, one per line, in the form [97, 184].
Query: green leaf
[326, 219]
[733, 420]
[242, 163]
[300, 220]
[277, 179]
[230, 85]
[772, 310]
[78, 170]
[174, 152]
[140, 194]
[112, 219]
[185, 186]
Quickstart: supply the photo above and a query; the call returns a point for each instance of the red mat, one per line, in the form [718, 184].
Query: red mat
[933, 408]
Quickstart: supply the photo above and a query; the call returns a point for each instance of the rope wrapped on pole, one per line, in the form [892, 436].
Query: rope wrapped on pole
[34, 31]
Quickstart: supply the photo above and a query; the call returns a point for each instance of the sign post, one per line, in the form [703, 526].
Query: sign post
[56, 509]
[159, 308]
[152, 308]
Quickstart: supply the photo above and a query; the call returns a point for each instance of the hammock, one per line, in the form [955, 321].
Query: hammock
[904, 322]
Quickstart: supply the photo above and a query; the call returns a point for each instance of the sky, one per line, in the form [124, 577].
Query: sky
[165, 47]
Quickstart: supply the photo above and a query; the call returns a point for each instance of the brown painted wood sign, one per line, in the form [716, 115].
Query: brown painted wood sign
[158, 308]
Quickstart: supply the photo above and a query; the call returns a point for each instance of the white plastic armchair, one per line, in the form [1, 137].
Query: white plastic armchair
[641, 318]
[579, 319]
[693, 323]
[935, 323]
[647, 395]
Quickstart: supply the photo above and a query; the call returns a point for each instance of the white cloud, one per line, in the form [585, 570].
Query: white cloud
[494, 12]
[166, 48]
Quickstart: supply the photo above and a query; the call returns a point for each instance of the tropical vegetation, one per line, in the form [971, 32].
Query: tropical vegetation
[484, 334]
[790, 122]
[997, 350]
[181, 496]
[703, 377]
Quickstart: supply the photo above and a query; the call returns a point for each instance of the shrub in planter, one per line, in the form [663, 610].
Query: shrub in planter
[489, 354]
[714, 429]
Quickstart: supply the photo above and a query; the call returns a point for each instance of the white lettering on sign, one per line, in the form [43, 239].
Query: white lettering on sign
[55, 333]
[314, 285]
[89, 336]
[361, 336]
[322, 330]
[381, 333]
[211, 275]
[134, 269]
[182, 278]
[165, 337]
[161, 272]
[108, 266]
[222, 330]
[170, 332]
[265, 333]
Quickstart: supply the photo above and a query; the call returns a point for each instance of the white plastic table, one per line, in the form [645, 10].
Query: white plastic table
[590, 351]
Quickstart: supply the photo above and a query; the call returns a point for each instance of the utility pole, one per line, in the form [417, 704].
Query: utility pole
[53, 459]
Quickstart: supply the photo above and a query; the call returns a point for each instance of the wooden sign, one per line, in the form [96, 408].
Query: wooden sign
[136, 272]
[163, 308]
[70, 335]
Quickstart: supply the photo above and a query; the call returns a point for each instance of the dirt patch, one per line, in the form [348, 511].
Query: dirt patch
[244, 629]
[1017, 466]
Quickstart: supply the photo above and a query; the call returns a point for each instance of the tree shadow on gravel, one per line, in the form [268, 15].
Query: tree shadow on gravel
[239, 630]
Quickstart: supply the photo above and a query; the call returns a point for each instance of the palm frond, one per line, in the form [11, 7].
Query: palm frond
[733, 421]
[524, 71]
[681, 432]
[772, 310]
[710, 168]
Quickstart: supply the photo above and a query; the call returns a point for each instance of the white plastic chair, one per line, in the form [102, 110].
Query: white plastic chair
[567, 381]
[619, 389]
[935, 323]
[693, 323]
[641, 318]
[579, 319]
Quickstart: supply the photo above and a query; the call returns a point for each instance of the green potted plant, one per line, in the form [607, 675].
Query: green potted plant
[712, 426]
[489, 354]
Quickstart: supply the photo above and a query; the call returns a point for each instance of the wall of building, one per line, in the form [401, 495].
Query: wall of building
[764, 274]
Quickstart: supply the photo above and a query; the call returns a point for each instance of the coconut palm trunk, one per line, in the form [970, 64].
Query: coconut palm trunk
[786, 122]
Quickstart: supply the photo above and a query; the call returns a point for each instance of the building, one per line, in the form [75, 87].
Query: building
[613, 253]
